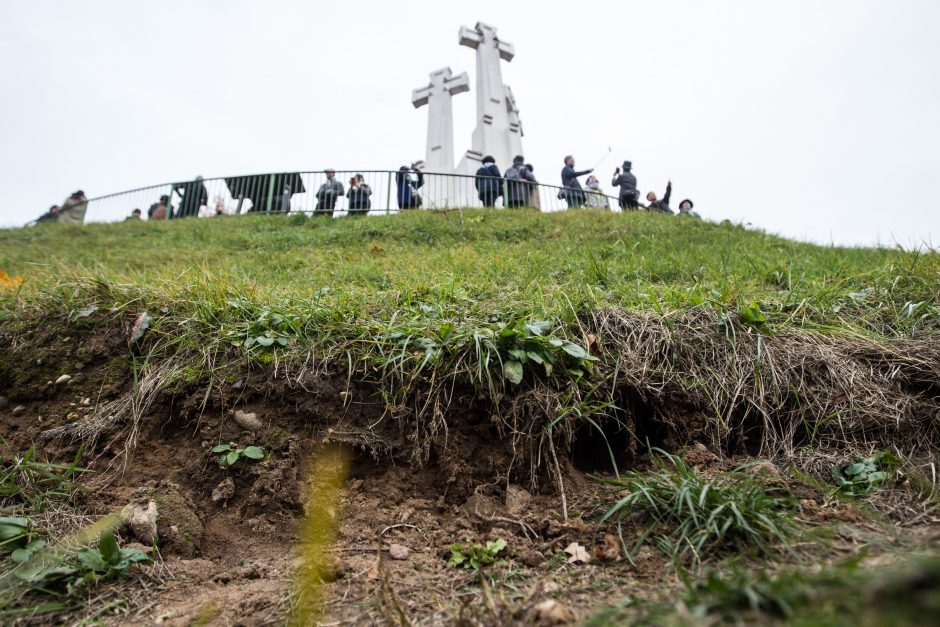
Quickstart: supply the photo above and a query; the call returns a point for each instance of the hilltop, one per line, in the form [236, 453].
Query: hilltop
[486, 375]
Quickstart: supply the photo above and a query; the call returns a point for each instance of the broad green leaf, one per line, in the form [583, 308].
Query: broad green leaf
[108, 546]
[265, 341]
[221, 448]
[253, 452]
[575, 351]
[231, 458]
[512, 370]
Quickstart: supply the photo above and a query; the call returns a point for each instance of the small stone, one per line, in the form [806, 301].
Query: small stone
[223, 491]
[550, 612]
[63, 379]
[248, 421]
[531, 558]
[19, 409]
[86, 401]
[141, 521]
[398, 552]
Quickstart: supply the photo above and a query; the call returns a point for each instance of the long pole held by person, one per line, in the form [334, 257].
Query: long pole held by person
[604, 158]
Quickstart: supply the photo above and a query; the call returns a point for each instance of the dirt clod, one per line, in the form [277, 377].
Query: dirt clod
[224, 491]
[517, 500]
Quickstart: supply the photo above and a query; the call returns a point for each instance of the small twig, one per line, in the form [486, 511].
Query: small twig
[418, 529]
[561, 481]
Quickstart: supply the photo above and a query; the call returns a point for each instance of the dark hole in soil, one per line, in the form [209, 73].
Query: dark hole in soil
[590, 452]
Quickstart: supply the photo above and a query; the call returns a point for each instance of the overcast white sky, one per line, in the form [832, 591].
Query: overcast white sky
[817, 119]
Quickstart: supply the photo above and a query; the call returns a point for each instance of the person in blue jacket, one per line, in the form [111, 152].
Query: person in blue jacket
[408, 197]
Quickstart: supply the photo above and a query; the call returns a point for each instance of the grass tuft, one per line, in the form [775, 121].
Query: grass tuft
[693, 517]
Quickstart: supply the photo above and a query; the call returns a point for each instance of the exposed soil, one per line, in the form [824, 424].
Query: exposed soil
[228, 537]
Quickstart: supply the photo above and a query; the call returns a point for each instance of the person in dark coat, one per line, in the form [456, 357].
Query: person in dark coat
[627, 184]
[686, 209]
[408, 187]
[49, 216]
[327, 195]
[518, 182]
[489, 182]
[359, 196]
[573, 194]
[660, 205]
[194, 195]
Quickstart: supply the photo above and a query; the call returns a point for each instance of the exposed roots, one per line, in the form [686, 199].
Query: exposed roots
[772, 394]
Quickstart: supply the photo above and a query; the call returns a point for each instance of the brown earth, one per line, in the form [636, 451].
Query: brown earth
[228, 538]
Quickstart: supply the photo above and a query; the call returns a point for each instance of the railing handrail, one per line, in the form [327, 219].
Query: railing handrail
[344, 171]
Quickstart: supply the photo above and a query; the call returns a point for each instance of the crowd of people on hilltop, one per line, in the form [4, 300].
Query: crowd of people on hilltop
[517, 187]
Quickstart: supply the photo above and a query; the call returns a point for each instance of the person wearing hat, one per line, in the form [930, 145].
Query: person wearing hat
[328, 193]
[627, 184]
[489, 182]
[685, 209]
[661, 206]
[518, 182]
[73, 209]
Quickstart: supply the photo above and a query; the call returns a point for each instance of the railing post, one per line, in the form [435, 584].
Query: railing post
[388, 194]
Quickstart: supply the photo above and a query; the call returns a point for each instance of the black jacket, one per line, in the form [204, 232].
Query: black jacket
[518, 185]
[662, 205]
[627, 184]
[489, 181]
[359, 198]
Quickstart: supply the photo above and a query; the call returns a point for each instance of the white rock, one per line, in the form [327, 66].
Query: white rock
[19, 409]
[248, 420]
[399, 552]
[63, 379]
[141, 521]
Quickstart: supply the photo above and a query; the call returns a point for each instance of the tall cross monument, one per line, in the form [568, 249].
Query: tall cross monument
[498, 130]
[437, 95]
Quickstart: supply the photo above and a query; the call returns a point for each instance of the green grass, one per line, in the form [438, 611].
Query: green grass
[483, 263]
[507, 302]
[693, 517]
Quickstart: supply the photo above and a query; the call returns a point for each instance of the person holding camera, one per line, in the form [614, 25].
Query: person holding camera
[327, 195]
[359, 196]
[627, 184]
[407, 196]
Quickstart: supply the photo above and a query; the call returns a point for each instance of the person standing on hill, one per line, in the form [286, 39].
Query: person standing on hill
[594, 195]
[626, 181]
[518, 180]
[73, 209]
[407, 194]
[157, 210]
[49, 216]
[686, 209]
[661, 206]
[534, 200]
[489, 182]
[572, 193]
[327, 194]
[194, 197]
[359, 196]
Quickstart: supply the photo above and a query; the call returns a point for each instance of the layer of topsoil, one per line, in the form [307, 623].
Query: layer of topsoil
[227, 552]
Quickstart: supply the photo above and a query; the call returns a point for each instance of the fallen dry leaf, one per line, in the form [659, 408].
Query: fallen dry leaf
[577, 554]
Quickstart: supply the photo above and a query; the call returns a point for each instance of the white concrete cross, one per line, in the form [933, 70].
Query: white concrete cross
[437, 96]
[498, 130]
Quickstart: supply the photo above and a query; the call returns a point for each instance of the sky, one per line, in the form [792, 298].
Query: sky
[818, 120]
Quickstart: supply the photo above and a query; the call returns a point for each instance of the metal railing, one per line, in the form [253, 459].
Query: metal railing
[346, 193]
